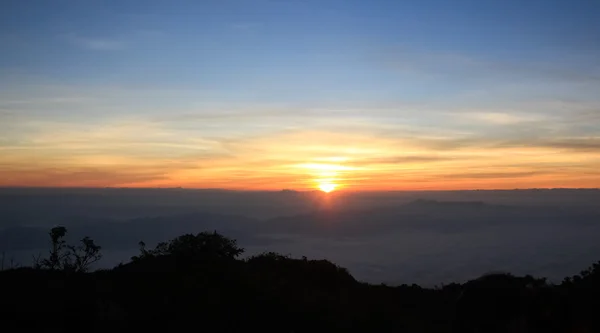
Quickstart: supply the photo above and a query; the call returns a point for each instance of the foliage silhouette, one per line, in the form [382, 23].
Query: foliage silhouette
[69, 257]
[201, 245]
[199, 279]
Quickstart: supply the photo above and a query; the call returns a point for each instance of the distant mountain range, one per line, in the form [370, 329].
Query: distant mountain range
[376, 235]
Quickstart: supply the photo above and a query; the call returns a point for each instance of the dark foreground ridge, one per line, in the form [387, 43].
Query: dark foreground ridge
[198, 283]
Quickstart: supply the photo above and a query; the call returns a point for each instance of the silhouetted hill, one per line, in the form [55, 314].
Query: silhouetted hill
[198, 281]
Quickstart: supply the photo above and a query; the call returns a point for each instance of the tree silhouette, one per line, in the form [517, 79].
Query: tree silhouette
[81, 257]
[57, 252]
[69, 257]
[201, 245]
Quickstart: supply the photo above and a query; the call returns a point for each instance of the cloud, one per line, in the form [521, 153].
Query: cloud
[246, 26]
[78, 176]
[95, 43]
[491, 175]
[499, 118]
[408, 159]
[465, 66]
[575, 144]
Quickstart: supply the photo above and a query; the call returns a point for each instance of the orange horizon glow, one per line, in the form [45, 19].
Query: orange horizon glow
[303, 160]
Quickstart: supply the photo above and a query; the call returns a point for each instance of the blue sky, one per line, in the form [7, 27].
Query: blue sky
[227, 44]
[483, 72]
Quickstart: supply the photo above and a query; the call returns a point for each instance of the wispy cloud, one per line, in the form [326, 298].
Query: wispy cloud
[245, 26]
[490, 175]
[583, 144]
[99, 176]
[465, 66]
[95, 43]
[499, 118]
[408, 159]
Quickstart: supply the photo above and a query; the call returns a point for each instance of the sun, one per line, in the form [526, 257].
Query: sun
[327, 187]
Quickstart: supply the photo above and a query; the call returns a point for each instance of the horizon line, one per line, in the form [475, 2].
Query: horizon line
[292, 190]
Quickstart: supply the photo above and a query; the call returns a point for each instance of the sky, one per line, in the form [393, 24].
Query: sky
[298, 94]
